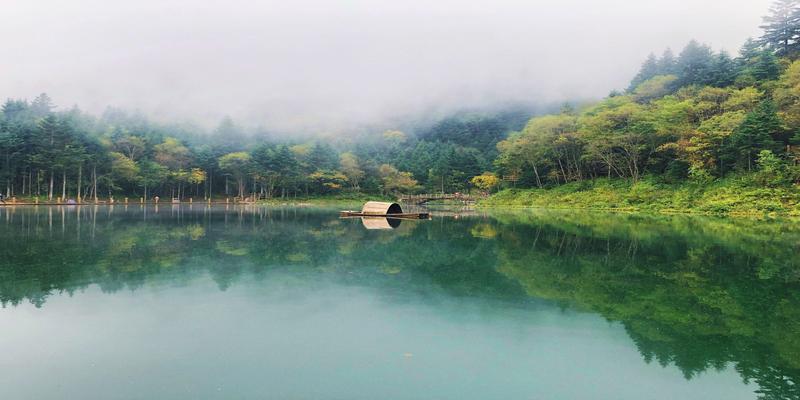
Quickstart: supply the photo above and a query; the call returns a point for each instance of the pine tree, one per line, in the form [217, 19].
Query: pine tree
[667, 65]
[648, 70]
[749, 52]
[42, 105]
[782, 27]
[723, 70]
[695, 64]
[14, 109]
[322, 156]
[757, 132]
[766, 66]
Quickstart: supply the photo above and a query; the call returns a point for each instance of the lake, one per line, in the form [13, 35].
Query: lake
[202, 302]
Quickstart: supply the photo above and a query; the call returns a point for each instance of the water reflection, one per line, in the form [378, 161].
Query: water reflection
[380, 223]
[697, 293]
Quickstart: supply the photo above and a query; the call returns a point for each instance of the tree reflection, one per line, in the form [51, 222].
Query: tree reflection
[698, 293]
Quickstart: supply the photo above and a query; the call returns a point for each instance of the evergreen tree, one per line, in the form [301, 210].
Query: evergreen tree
[723, 70]
[228, 137]
[756, 133]
[695, 65]
[748, 56]
[648, 70]
[42, 105]
[749, 52]
[782, 27]
[667, 65]
[322, 157]
[14, 110]
[766, 66]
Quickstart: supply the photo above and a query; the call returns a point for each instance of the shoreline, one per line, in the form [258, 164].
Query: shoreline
[722, 198]
[621, 210]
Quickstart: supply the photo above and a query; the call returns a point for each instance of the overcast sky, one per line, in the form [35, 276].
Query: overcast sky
[325, 65]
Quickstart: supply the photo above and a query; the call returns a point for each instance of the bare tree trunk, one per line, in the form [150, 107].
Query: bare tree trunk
[536, 172]
[210, 183]
[577, 167]
[50, 192]
[94, 182]
[80, 176]
[63, 184]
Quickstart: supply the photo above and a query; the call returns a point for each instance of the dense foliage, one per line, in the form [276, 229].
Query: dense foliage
[71, 155]
[697, 117]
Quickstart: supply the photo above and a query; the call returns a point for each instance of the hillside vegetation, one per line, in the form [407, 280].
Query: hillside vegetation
[701, 131]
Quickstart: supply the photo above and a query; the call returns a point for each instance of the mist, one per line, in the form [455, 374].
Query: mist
[319, 66]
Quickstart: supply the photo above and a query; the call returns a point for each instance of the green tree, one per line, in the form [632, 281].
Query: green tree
[766, 67]
[782, 27]
[756, 133]
[350, 167]
[695, 65]
[395, 181]
[175, 156]
[322, 157]
[151, 175]
[326, 182]
[771, 169]
[723, 70]
[123, 169]
[239, 166]
[648, 70]
[42, 106]
[667, 64]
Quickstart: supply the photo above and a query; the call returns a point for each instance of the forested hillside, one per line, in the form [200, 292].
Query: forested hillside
[700, 118]
[51, 154]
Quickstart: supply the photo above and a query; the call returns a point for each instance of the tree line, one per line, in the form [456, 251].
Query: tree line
[696, 117]
[699, 116]
[52, 155]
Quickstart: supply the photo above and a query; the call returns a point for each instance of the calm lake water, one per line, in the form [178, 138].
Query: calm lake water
[295, 303]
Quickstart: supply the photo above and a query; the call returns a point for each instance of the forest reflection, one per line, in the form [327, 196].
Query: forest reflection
[700, 293]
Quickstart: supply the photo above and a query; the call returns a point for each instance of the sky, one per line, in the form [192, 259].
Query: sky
[330, 66]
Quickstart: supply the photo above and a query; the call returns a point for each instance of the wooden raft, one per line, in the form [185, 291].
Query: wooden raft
[385, 210]
[399, 216]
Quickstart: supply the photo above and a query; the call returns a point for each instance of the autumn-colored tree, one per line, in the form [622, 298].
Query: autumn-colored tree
[486, 181]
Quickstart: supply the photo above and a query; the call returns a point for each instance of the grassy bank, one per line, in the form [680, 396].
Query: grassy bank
[733, 196]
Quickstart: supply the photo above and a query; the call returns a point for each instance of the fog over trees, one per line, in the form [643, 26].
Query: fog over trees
[695, 114]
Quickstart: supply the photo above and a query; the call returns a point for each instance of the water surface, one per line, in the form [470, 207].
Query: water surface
[295, 303]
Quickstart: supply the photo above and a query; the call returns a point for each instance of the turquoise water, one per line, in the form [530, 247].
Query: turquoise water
[295, 303]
